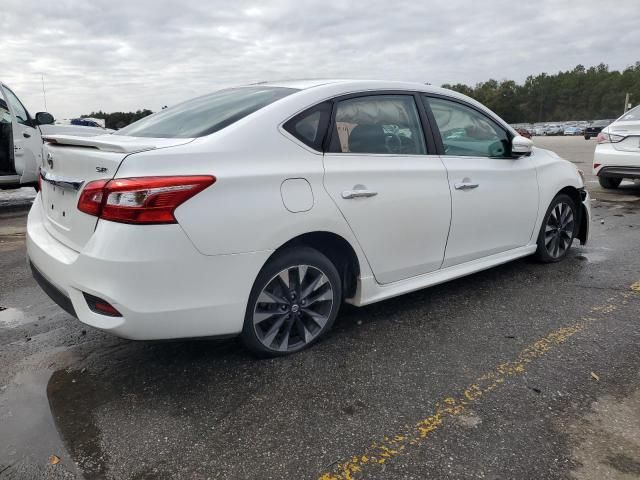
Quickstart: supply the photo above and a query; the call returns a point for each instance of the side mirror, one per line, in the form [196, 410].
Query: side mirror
[44, 118]
[521, 146]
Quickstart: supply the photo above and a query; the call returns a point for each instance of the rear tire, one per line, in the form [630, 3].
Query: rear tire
[294, 301]
[587, 137]
[610, 183]
[559, 228]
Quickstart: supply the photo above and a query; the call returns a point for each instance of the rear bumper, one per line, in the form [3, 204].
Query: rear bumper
[616, 163]
[153, 275]
[624, 172]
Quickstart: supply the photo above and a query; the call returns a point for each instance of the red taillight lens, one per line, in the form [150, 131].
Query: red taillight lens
[595, 166]
[90, 201]
[604, 137]
[143, 200]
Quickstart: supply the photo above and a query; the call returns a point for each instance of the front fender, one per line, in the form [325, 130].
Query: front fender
[554, 175]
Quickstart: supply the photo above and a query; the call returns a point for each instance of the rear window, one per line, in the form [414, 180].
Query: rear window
[633, 114]
[207, 114]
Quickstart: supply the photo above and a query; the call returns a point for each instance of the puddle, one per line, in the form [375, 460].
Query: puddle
[74, 397]
[592, 257]
[12, 318]
[27, 429]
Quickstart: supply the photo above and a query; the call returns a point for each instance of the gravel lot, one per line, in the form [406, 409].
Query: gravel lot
[524, 371]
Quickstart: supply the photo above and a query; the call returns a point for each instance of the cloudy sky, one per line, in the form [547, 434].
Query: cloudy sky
[125, 55]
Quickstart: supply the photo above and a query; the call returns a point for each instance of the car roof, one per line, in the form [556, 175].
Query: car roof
[352, 84]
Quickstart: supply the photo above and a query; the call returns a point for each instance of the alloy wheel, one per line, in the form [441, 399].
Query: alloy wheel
[293, 308]
[559, 230]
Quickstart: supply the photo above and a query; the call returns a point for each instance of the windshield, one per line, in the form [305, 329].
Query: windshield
[207, 114]
[633, 114]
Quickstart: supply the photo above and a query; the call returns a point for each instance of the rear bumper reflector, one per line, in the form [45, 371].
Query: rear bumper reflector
[100, 306]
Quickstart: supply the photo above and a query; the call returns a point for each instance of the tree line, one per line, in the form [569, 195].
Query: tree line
[116, 120]
[580, 94]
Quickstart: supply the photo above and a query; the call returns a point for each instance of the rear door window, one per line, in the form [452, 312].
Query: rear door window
[378, 124]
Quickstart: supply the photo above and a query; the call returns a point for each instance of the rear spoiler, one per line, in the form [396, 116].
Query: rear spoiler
[101, 142]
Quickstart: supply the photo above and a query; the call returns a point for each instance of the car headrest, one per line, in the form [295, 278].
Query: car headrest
[367, 139]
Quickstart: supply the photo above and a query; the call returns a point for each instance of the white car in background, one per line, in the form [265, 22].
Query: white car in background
[256, 211]
[539, 130]
[21, 147]
[553, 130]
[617, 155]
[573, 130]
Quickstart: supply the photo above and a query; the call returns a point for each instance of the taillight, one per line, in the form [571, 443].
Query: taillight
[596, 165]
[143, 200]
[604, 137]
[90, 201]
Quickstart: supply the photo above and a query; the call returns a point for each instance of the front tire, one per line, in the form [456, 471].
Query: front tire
[558, 229]
[293, 303]
[610, 183]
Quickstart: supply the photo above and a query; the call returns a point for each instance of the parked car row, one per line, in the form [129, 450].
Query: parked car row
[588, 129]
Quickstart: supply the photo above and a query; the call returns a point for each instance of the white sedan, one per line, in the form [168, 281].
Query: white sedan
[257, 211]
[617, 154]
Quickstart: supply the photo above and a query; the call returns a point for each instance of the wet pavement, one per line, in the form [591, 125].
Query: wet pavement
[522, 371]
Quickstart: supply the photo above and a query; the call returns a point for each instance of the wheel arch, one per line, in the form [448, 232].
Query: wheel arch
[576, 195]
[337, 249]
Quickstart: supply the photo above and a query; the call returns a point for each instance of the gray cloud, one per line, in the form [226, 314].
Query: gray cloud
[124, 55]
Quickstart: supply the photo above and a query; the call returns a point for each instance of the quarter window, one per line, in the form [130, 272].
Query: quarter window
[378, 124]
[466, 132]
[18, 109]
[310, 126]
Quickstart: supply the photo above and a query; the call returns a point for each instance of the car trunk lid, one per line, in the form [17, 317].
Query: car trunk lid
[631, 131]
[72, 162]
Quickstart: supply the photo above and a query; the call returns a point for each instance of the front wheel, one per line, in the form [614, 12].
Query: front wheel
[610, 182]
[294, 301]
[558, 229]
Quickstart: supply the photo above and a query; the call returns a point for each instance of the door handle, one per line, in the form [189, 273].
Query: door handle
[26, 135]
[358, 193]
[465, 185]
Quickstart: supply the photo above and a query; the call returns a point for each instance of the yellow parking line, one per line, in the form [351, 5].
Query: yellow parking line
[450, 407]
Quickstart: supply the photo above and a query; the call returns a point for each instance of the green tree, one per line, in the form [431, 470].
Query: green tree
[578, 94]
[116, 120]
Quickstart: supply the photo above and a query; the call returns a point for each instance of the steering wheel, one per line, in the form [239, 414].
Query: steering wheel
[393, 142]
